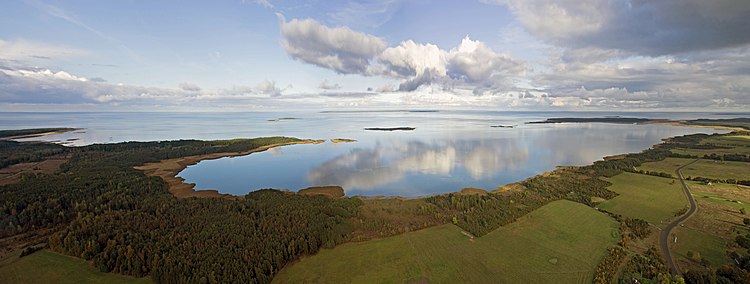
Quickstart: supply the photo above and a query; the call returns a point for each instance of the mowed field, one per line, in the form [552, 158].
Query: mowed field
[48, 267]
[702, 168]
[561, 242]
[654, 199]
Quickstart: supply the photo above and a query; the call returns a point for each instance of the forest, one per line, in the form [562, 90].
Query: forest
[100, 209]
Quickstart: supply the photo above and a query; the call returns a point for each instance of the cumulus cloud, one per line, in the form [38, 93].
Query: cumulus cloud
[410, 59]
[340, 49]
[268, 87]
[325, 85]
[473, 61]
[472, 64]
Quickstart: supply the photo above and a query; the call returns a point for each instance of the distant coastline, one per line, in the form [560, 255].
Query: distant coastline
[737, 124]
[390, 128]
[33, 132]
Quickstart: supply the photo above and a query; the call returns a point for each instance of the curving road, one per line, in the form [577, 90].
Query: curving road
[664, 238]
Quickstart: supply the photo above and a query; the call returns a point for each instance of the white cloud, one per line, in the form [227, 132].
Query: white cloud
[473, 61]
[339, 49]
[410, 59]
[325, 85]
[29, 50]
[268, 87]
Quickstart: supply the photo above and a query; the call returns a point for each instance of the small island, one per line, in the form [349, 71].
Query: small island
[342, 140]
[390, 128]
[624, 120]
[735, 124]
[502, 126]
[283, 118]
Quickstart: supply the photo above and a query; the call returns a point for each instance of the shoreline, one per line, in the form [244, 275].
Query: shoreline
[678, 123]
[168, 169]
[24, 136]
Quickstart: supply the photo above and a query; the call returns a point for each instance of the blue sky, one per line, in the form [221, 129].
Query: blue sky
[266, 55]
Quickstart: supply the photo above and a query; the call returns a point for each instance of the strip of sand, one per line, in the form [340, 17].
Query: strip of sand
[39, 134]
[168, 170]
[677, 123]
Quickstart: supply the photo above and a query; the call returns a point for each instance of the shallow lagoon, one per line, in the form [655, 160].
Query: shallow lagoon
[438, 157]
[447, 151]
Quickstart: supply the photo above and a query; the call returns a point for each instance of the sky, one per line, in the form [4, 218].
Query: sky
[267, 55]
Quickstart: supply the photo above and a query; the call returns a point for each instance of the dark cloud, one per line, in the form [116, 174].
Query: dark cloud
[642, 27]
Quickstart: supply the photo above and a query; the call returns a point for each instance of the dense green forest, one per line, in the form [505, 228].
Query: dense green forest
[12, 152]
[101, 209]
[125, 222]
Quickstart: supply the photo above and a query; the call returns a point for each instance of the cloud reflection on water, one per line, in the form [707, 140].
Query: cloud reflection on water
[369, 168]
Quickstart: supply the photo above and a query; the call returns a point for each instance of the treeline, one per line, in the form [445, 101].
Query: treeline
[103, 210]
[736, 271]
[647, 268]
[716, 180]
[209, 240]
[606, 270]
[735, 122]
[12, 152]
[609, 168]
[481, 214]
[736, 157]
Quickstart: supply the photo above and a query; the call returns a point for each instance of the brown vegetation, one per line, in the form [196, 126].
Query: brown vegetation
[332, 191]
[473, 191]
[342, 140]
[13, 173]
[168, 169]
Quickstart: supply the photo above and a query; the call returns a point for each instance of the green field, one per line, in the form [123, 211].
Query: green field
[702, 168]
[49, 267]
[560, 242]
[740, 145]
[654, 199]
[703, 245]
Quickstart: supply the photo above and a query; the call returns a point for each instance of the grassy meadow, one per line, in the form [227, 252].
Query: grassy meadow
[654, 199]
[49, 267]
[562, 241]
[701, 244]
[702, 168]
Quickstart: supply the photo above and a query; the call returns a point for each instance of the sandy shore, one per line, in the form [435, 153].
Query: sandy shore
[39, 134]
[168, 170]
[677, 123]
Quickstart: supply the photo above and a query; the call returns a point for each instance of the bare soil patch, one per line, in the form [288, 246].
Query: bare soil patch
[332, 191]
